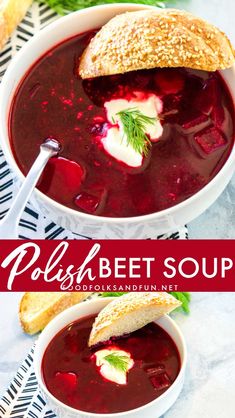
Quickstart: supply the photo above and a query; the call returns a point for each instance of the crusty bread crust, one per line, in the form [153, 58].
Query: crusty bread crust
[156, 38]
[37, 309]
[11, 13]
[130, 312]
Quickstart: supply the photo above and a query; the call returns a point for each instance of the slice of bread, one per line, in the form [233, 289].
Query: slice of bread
[130, 312]
[156, 38]
[37, 309]
[11, 13]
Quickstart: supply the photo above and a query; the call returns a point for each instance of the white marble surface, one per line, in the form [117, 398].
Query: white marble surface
[209, 331]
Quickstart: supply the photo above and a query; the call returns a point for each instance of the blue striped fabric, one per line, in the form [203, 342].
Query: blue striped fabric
[23, 398]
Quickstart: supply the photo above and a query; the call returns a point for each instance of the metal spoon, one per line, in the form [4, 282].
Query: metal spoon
[9, 224]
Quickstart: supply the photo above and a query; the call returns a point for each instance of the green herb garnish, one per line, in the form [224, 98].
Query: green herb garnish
[118, 361]
[63, 7]
[134, 126]
[184, 298]
[112, 294]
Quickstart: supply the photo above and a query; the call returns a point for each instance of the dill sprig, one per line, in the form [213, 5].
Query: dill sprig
[135, 124]
[66, 6]
[112, 294]
[118, 361]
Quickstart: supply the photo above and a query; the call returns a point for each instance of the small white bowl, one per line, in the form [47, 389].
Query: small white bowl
[146, 226]
[154, 409]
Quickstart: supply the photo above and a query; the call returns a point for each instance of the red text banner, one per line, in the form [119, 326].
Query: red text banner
[115, 265]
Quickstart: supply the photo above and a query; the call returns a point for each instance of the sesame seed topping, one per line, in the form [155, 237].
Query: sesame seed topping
[146, 39]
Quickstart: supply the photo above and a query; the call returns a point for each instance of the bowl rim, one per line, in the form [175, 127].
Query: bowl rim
[38, 357]
[9, 154]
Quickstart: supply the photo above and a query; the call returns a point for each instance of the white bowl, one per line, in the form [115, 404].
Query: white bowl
[89, 225]
[154, 409]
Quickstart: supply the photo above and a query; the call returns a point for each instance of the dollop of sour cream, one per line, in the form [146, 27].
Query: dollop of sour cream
[108, 371]
[115, 141]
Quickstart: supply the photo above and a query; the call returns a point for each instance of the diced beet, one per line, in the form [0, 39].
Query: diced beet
[194, 119]
[155, 371]
[160, 382]
[63, 176]
[71, 171]
[66, 378]
[218, 116]
[88, 202]
[210, 139]
[169, 82]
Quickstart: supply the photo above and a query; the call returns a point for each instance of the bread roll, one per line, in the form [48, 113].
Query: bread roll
[155, 38]
[130, 312]
[11, 13]
[37, 309]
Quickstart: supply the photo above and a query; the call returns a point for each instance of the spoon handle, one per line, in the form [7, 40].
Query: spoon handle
[9, 225]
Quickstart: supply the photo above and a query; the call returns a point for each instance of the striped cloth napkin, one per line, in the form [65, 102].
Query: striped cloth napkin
[23, 398]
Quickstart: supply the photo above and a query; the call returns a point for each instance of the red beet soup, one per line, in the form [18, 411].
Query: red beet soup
[71, 375]
[197, 117]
